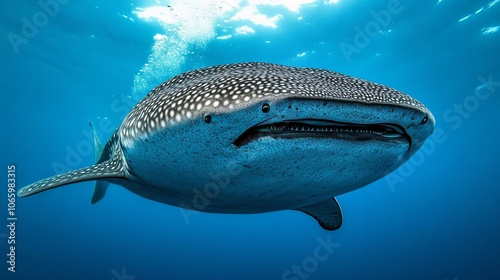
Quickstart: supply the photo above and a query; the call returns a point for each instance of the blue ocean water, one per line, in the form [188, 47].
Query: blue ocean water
[65, 63]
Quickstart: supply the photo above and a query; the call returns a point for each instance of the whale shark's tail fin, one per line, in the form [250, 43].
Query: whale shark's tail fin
[112, 168]
[100, 186]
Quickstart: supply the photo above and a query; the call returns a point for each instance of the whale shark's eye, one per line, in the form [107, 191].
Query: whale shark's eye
[424, 120]
[208, 118]
[266, 107]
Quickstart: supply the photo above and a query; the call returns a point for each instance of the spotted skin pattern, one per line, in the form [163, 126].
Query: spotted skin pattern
[234, 86]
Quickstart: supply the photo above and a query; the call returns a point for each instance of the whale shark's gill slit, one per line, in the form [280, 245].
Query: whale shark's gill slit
[312, 128]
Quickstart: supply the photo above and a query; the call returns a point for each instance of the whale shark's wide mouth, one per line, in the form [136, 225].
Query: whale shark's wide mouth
[312, 128]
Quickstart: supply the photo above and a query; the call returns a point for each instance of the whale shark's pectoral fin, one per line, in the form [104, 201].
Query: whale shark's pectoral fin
[327, 213]
[100, 186]
[112, 168]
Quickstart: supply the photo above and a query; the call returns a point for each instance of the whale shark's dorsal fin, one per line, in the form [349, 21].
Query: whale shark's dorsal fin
[100, 186]
[97, 143]
[112, 168]
[327, 213]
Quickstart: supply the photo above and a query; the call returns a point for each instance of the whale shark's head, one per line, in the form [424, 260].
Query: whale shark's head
[261, 106]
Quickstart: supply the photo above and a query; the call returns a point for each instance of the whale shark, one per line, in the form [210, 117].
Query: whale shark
[256, 137]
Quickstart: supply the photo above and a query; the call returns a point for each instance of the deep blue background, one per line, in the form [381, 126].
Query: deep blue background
[440, 221]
